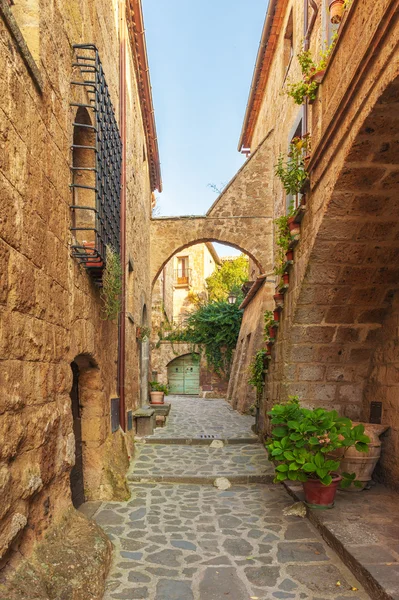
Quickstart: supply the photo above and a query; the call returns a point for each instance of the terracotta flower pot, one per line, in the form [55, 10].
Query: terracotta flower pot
[276, 315]
[317, 76]
[279, 300]
[93, 259]
[318, 495]
[272, 332]
[286, 279]
[362, 463]
[157, 397]
[336, 11]
[294, 228]
[289, 255]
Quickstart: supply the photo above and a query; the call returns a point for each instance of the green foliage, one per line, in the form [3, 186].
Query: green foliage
[283, 239]
[256, 371]
[159, 387]
[112, 285]
[291, 169]
[144, 333]
[301, 90]
[303, 441]
[268, 322]
[228, 278]
[214, 328]
[306, 88]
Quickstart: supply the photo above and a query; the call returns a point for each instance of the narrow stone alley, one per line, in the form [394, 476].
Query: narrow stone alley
[181, 538]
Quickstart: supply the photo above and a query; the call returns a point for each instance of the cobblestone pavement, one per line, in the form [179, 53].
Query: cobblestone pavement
[193, 417]
[193, 462]
[195, 542]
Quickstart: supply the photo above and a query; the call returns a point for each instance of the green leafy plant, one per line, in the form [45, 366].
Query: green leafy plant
[306, 88]
[283, 239]
[256, 372]
[213, 328]
[159, 387]
[112, 285]
[291, 169]
[144, 333]
[228, 278]
[268, 322]
[306, 443]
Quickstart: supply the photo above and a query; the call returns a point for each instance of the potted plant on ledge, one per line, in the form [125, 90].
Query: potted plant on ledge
[301, 443]
[158, 392]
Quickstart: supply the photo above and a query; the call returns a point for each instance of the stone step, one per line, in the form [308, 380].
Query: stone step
[241, 463]
[362, 529]
[203, 480]
[197, 441]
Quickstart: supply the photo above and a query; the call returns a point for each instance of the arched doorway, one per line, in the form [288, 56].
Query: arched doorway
[184, 375]
[144, 360]
[76, 475]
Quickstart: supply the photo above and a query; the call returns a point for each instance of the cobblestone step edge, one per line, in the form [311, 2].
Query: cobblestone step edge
[198, 441]
[360, 571]
[202, 479]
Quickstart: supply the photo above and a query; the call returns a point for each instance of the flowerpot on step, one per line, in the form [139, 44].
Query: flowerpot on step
[363, 463]
[279, 300]
[289, 255]
[317, 76]
[321, 496]
[276, 315]
[294, 228]
[157, 397]
[286, 279]
[272, 333]
[336, 8]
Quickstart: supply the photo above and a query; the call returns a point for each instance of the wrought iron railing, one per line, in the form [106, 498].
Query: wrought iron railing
[182, 277]
[101, 221]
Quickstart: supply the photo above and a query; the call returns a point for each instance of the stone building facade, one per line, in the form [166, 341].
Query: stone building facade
[181, 283]
[337, 340]
[67, 373]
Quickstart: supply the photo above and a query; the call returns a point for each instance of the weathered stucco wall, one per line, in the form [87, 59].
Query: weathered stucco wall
[50, 311]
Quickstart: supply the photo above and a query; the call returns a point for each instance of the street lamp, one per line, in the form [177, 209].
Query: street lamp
[232, 298]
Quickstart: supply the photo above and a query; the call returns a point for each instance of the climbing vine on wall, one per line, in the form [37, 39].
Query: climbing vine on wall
[212, 328]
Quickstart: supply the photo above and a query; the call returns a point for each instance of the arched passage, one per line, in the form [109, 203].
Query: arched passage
[338, 346]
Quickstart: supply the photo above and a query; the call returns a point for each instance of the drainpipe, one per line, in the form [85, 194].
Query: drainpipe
[122, 119]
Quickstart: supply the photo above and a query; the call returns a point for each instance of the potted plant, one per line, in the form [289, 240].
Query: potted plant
[158, 392]
[94, 258]
[143, 333]
[289, 255]
[295, 228]
[276, 315]
[301, 443]
[336, 8]
[286, 278]
[362, 463]
[291, 169]
[111, 292]
[279, 299]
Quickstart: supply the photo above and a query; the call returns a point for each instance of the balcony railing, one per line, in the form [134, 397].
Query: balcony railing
[96, 224]
[182, 277]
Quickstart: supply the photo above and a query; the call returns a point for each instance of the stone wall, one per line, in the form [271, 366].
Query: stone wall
[50, 311]
[240, 394]
[383, 386]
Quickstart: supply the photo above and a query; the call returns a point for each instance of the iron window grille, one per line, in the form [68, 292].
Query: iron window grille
[103, 218]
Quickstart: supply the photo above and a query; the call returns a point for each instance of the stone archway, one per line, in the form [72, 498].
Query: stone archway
[241, 217]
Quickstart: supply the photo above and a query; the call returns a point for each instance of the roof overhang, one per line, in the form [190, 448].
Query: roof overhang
[135, 23]
[253, 290]
[270, 34]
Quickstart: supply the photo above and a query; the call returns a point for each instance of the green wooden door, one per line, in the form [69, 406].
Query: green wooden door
[183, 375]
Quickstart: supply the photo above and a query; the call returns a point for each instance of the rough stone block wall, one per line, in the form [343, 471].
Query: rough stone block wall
[251, 339]
[50, 311]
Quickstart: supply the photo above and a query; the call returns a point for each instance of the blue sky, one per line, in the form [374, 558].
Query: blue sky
[201, 55]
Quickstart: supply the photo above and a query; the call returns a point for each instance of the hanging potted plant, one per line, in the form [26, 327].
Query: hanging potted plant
[300, 443]
[158, 392]
[336, 8]
[286, 278]
[295, 228]
[276, 315]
